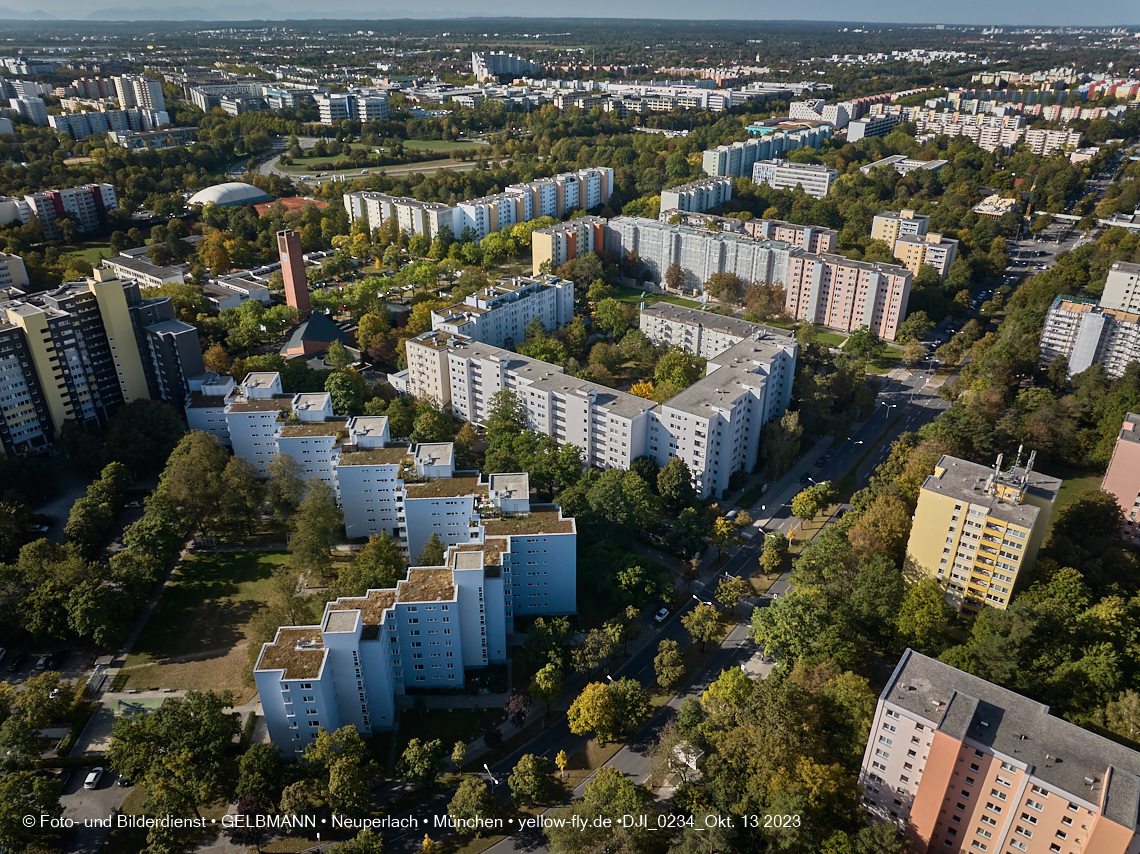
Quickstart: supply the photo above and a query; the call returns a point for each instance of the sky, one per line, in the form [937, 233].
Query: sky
[983, 12]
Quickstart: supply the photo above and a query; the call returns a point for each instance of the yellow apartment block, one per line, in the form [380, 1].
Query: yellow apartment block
[978, 529]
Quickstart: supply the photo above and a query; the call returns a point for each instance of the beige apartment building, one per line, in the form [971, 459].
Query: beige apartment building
[963, 766]
[978, 529]
[1123, 476]
[889, 226]
[932, 248]
[810, 238]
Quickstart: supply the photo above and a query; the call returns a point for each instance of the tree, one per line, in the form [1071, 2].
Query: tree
[262, 774]
[248, 831]
[176, 752]
[675, 485]
[365, 842]
[347, 393]
[472, 804]
[532, 779]
[562, 761]
[433, 553]
[349, 793]
[674, 277]
[807, 504]
[519, 707]
[24, 794]
[314, 528]
[46, 699]
[726, 287]
[690, 716]
[427, 846]
[631, 704]
[669, 664]
[379, 565]
[913, 353]
[780, 443]
[914, 328]
[594, 711]
[723, 534]
[864, 343]
[882, 529]
[286, 487]
[19, 742]
[688, 534]
[775, 547]
[546, 685]
[702, 623]
[242, 495]
[922, 615]
[430, 425]
[421, 761]
[609, 318]
[731, 590]
[459, 755]
[338, 356]
[193, 476]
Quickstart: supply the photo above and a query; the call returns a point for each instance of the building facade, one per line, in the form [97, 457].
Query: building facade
[698, 252]
[498, 315]
[1122, 288]
[293, 274]
[86, 206]
[978, 529]
[834, 291]
[88, 348]
[809, 238]
[138, 91]
[558, 244]
[939, 252]
[488, 64]
[962, 765]
[697, 196]
[736, 160]
[1123, 476]
[786, 175]
[1086, 333]
[889, 226]
[714, 425]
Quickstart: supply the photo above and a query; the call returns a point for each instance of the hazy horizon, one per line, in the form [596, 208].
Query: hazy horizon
[1021, 13]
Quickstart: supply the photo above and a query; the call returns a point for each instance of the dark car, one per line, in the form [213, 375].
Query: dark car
[821, 462]
[804, 478]
[17, 660]
[55, 659]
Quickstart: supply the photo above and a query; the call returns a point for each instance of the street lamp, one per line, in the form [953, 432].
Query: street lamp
[699, 599]
[487, 768]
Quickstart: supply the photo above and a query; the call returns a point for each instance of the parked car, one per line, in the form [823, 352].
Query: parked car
[38, 529]
[16, 661]
[3, 652]
[821, 462]
[661, 616]
[93, 778]
[132, 504]
[123, 781]
[42, 662]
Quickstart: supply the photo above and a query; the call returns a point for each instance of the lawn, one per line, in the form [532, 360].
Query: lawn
[196, 638]
[1075, 481]
[832, 338]
[442, 145]
[633, 296]
[886, 361]
[90, 250]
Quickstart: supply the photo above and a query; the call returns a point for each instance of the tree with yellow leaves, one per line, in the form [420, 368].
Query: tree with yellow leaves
[643, 389]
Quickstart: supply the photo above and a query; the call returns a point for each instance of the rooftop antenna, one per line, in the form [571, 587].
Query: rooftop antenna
[1017, 464]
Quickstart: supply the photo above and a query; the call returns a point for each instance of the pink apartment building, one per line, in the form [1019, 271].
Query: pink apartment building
[1123, 476]
[842, 294]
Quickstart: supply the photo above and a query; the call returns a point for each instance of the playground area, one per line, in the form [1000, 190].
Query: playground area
[96, 737]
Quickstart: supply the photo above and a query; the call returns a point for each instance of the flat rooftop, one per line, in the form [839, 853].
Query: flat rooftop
[1060, 754]
[283, 403]
[375, 457]
[371, 606]
[511, 485]
[712, 320]
[446, 487]
[205, 401]
[964, 481]
[297, 662]
[435, 453]
[547, 520]
[426, 584]
[1130, 430]
[492, 549]
[314, 428]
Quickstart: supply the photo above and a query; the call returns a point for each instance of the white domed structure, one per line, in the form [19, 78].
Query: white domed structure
[230, 194]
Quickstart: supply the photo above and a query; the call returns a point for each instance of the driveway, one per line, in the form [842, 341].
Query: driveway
[81, 805]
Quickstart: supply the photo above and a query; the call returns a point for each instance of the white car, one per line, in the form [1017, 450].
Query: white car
[661, 616]
[93, 779]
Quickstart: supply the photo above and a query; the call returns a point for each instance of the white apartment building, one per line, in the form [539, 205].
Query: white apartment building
[428, 630]
[710, 425]
[1122, 288]
[414, 216]
[498, 315]
[736, 160]
[696, 196]
[86, 206]
[585, 189]
[12, 271]
[1087, 334]
[700, 253]
[254, 413]
[489, 64]
[879, 125]
[785, 175]
[137, 91]
[842, 294]
[360, 106]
